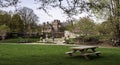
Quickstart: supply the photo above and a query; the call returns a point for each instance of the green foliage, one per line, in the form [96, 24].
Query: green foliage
[105, 28]
[85, 26]
[88, 38]
[29, 18]
[91, 38]
[5, 19]
[70, 27]
[110, 8]
[70, 41]
[16, 23]
[4, 29]
[105, 37]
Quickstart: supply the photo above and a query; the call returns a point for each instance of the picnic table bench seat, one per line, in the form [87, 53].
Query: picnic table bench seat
[89, 53]
[69, 53]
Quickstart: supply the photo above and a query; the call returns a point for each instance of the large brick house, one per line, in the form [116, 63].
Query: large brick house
[54, 27]
[51, 27]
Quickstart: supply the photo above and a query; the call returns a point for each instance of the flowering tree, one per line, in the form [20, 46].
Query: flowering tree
[3, 31]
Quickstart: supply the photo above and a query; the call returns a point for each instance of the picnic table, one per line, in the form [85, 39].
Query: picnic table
[84, 51]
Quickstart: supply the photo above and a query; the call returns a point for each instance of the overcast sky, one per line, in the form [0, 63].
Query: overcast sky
[43, 17]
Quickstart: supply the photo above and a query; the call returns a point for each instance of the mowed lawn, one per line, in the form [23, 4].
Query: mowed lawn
[19, 54]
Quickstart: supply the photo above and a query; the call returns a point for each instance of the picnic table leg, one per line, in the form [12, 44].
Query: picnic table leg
[86, 57]
[70, 54]
[98, 54]
[74, 51]
[93, 49]
[83, 52]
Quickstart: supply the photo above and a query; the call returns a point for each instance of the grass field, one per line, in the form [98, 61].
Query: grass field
[17, 40]
[19, 54]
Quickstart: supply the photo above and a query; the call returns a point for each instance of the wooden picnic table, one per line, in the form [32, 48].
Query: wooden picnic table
[84, 51]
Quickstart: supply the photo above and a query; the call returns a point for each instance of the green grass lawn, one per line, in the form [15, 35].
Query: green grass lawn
[19, 54]
[17, 40]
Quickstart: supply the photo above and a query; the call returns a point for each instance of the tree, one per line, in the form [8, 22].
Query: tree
[85, 26]
[29, 18]
[16, 24]
[6, 3]
[107, 8]
[110, 8]
[68, 25]
[3, 31]
[5, 19]
[104, 28]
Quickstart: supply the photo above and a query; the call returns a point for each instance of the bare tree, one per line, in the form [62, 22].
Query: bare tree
[70, 7]
[29, 17]
[6, 3]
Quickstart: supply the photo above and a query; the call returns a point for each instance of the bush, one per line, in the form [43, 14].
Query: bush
[70, 41]
[90, 38]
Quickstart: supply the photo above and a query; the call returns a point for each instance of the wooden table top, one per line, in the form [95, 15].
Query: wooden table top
[83, 47]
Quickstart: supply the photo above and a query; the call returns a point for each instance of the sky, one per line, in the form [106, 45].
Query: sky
[43, 17]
